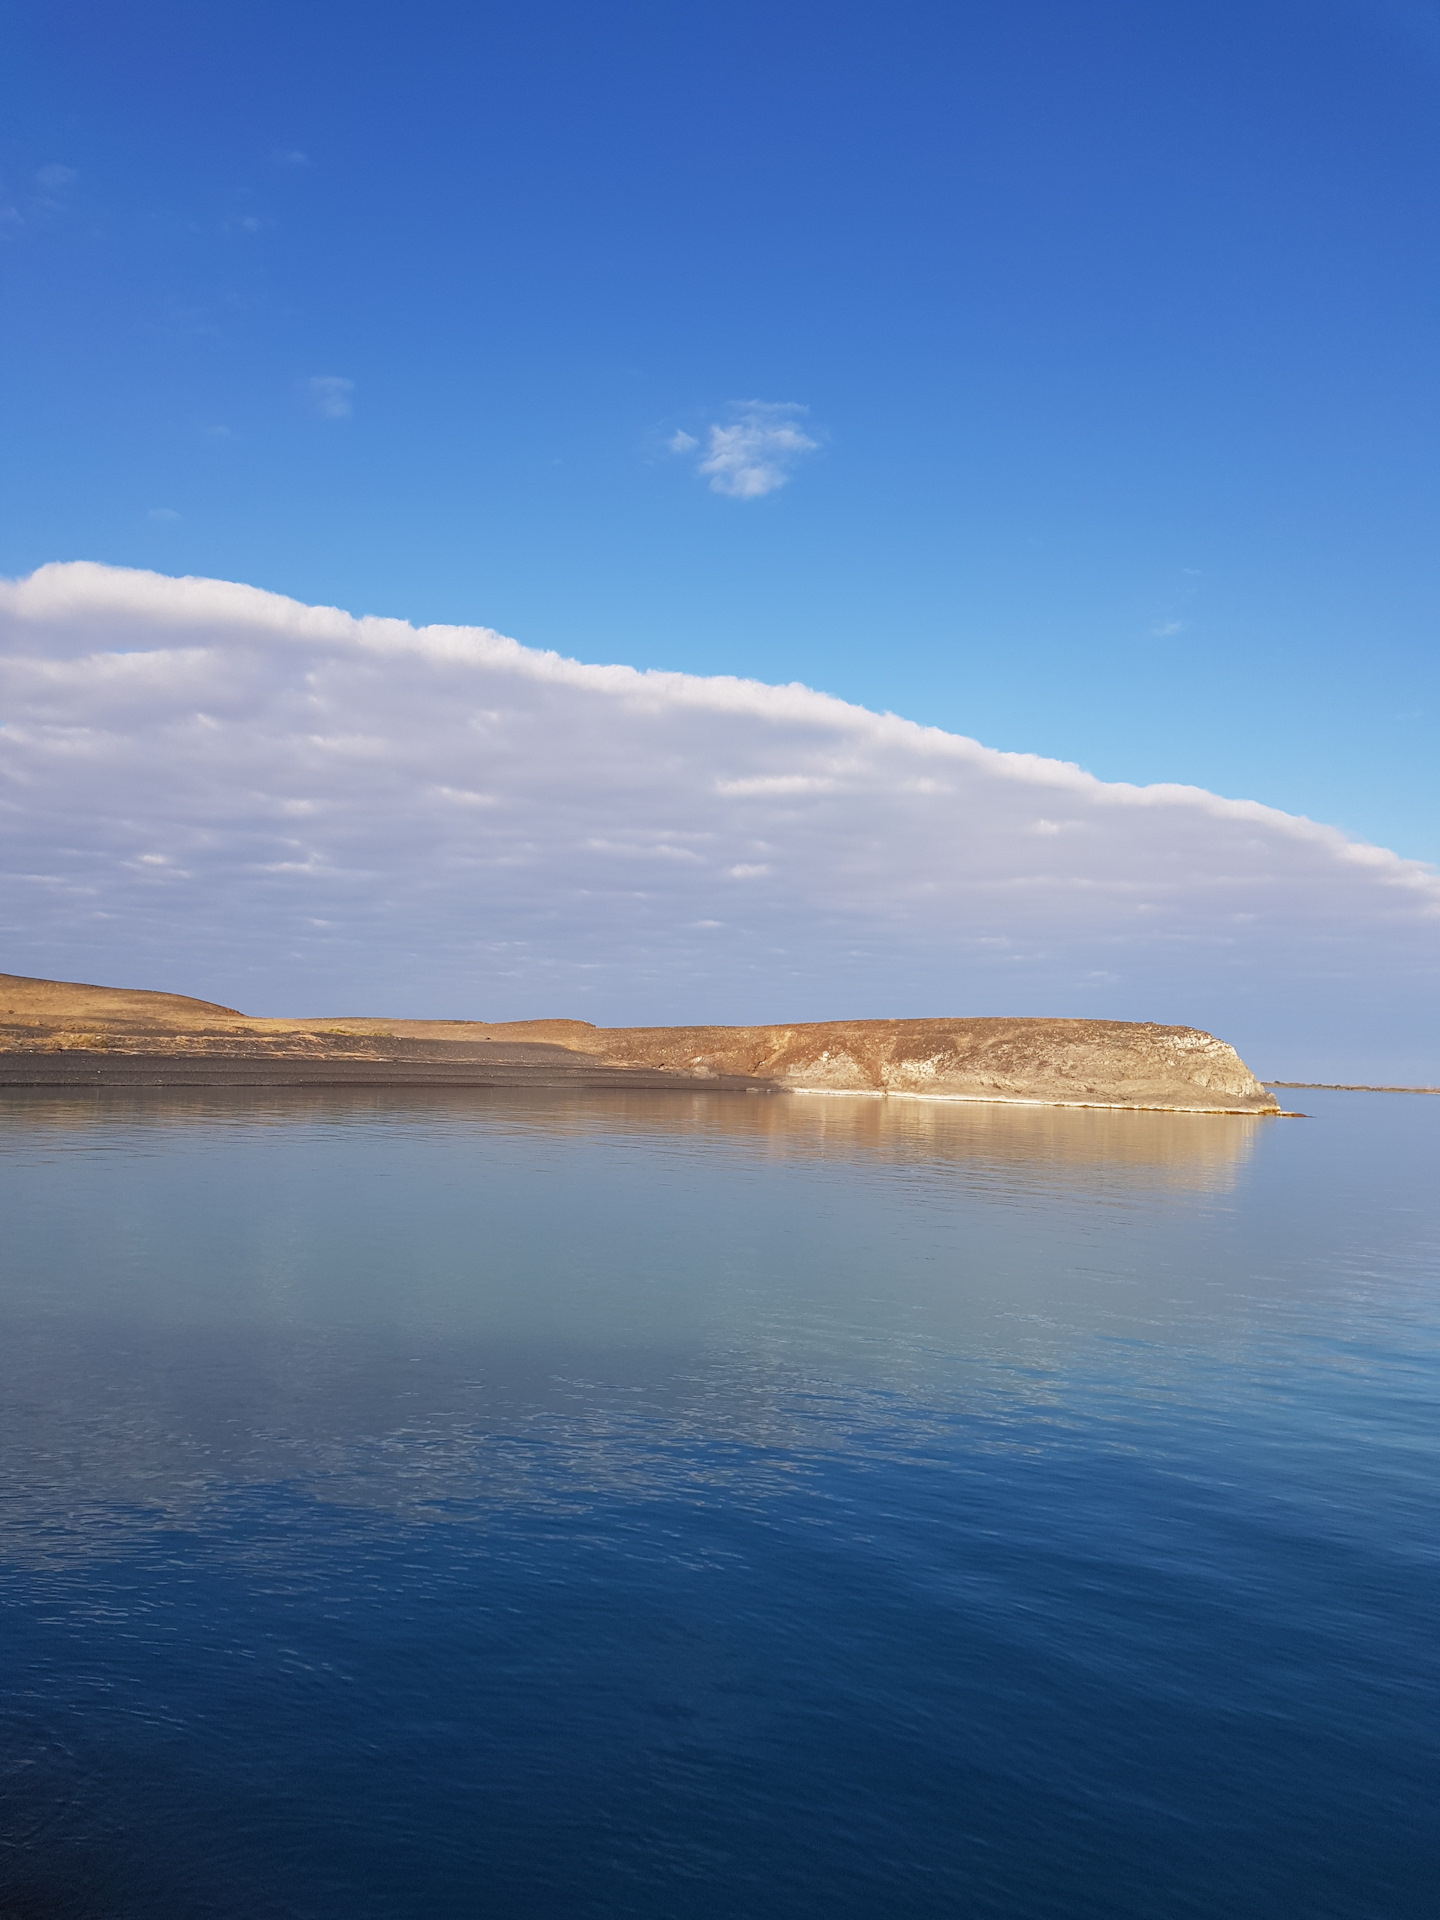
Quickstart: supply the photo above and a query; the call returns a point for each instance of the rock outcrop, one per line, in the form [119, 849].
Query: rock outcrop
[53, 1032]
[1053, 1062]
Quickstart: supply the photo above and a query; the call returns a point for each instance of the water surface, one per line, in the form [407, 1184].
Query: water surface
[668, 1504]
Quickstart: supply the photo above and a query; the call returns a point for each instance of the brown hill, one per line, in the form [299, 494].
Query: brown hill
[55, 1032]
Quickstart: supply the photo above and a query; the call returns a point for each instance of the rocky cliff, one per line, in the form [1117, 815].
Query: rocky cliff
[1055, 1062]
[56, 1032]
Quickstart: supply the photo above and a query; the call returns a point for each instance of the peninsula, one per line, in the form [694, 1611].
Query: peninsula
[57, 1033]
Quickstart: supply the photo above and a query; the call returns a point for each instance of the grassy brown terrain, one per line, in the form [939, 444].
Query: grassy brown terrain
[60, 1033]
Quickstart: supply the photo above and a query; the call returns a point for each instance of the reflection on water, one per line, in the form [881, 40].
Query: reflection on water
[501, 1296]
[1091, 1418]
[1200, 1151]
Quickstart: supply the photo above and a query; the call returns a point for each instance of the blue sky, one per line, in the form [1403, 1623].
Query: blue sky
[1114, 326]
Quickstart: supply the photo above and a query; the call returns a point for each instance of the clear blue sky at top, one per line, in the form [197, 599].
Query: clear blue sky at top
[1117, 325]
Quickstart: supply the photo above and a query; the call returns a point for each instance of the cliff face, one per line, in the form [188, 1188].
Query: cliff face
[1056, 1062]
[1069, 1062]
[51, 1031]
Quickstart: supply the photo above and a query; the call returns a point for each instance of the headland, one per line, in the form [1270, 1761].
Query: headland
[56, 1033]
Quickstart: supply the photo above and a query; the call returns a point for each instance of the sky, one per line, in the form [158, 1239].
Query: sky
[1058, 376]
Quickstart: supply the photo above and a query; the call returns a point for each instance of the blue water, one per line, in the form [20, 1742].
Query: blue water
[716, 1506]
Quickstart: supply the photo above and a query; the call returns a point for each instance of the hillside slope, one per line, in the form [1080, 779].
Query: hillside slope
[54, 1032]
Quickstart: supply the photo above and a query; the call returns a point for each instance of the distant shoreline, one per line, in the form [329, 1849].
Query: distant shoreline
[1339, 1086]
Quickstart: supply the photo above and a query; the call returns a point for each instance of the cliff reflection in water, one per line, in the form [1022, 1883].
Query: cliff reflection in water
[437, 1303]
[1197, 1151]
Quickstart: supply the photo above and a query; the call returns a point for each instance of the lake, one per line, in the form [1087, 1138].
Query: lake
[716, 1505]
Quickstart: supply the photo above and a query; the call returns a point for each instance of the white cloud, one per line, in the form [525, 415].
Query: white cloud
[162, 514]
[754, 452]
[330, 396]
[443, 821]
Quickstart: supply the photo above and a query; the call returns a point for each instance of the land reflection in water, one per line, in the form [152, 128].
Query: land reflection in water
[436, 1302]
[1199, 1151]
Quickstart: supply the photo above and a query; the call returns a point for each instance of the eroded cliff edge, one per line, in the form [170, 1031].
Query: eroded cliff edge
[55, 1033]
[1053, 1062]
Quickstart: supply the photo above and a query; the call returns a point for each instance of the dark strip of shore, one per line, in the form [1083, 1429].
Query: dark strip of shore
[517, 1064]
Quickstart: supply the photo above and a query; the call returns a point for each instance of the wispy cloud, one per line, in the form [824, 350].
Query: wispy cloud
[52, 184]
[330, 396]
[549, 836]
[1182, 600]
[48, 194]
[289, 157]
[163, 515]
[754, 451]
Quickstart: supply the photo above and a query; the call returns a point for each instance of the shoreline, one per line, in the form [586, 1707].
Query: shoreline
[511, 1067]
[1343, 1086]
[1029, 1100]
[536, 1067]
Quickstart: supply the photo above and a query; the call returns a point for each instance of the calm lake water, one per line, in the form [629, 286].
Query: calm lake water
[671, 1505]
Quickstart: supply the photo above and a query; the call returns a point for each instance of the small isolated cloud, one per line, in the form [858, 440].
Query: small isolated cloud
[752, 453]
[1180, 602]
[289, 157]
[330, 396]
[162, 514]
